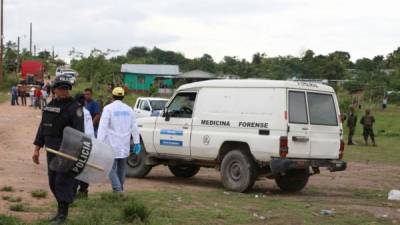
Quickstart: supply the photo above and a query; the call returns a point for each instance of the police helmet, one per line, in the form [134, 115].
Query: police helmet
[62, 81]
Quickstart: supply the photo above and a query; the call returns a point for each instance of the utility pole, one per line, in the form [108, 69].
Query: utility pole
[1, 43]
[18, 42]
[30, 38]
[34, 50]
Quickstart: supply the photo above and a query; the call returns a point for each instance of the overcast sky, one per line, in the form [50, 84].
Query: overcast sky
[240, 28]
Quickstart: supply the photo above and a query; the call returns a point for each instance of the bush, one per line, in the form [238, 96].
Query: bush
[12, 199]
[7, 189]
[19, 207]
[134, 210]
[39, 193]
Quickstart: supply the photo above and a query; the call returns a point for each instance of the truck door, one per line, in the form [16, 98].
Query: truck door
[325, 131]
[173, 130]
[298, 135]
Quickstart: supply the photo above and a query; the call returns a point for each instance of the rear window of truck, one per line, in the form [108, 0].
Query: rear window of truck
[322, 109]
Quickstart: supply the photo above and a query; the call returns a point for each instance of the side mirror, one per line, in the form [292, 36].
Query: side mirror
[166, 114]
[146, 108]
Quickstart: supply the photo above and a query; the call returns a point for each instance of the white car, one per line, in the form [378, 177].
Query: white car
[147, 107]
[282, 130]
[71, 74]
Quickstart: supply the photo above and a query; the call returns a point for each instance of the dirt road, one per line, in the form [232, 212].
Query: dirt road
[18, 126]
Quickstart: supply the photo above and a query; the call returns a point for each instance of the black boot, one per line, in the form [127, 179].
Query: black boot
[54, 218]
[63, 213]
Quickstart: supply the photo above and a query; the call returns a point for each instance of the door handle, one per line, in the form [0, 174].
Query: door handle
[185, 126]
[304, 128]
[300, 138]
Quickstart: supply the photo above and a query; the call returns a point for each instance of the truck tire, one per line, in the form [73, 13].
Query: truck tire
[238, 171]
[135, 165]
[184, 171]
[294, 180]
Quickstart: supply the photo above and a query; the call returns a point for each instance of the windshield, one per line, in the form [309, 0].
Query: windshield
[158, 104]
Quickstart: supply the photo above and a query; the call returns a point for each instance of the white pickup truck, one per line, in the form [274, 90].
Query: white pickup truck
[282, 130]
[147, 106]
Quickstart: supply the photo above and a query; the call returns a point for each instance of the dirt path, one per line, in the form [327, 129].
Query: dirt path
[18, 126]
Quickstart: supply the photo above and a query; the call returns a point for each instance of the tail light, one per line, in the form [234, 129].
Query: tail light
[341, 149]
[283, 146]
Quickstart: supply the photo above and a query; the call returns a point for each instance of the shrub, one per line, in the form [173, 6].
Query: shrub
[134, 210]
[19, 207]
[7, 189]
[39, 193]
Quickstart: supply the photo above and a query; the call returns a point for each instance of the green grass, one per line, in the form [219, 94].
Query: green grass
[39, 193]
[215, 207]
[387, 132]
[11, 198]
[7, 189]
[18, 207]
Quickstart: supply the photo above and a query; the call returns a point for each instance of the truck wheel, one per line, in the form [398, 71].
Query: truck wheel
[238, 171]
[135, 165]
[184, 171]
[293, 180]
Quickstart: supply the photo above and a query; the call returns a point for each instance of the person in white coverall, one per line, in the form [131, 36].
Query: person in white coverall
[117, 126]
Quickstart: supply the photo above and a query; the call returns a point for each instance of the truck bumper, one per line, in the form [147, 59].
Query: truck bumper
[280, 165]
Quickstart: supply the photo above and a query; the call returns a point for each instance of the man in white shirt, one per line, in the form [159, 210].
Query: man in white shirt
[117, 126]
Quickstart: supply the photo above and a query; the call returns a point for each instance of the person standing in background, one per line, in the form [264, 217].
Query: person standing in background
[368, 131]
[14, 95]
[93, 107]
[32, 96]
[384, 102]
[38, 98]
[22, 91]
[351, 124]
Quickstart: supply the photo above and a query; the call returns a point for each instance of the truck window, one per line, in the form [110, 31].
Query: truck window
[322, 109]
[145, 106]
[182, 105]
[138, 104]
[158, 104]
[297, 107]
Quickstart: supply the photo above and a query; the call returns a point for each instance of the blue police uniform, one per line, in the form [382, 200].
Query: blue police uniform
[59, 114]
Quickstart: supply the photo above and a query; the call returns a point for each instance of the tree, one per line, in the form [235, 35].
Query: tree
[136, 52]
[10, 56]
[44, 55]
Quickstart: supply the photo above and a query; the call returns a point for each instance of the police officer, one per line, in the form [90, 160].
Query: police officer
[61, 112]
[351, 124]
[368, 121]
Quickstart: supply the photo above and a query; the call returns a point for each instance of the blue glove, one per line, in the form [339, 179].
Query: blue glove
[137, 149]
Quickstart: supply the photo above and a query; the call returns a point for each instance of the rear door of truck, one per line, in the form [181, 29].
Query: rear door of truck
[325, 129]
[298, 124]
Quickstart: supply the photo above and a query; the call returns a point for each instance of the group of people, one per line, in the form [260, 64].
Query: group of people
[115, 125]
[367, 121]
[38, 95]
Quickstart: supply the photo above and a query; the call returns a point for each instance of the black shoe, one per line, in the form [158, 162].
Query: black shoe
[59, 220]
[62, 214]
